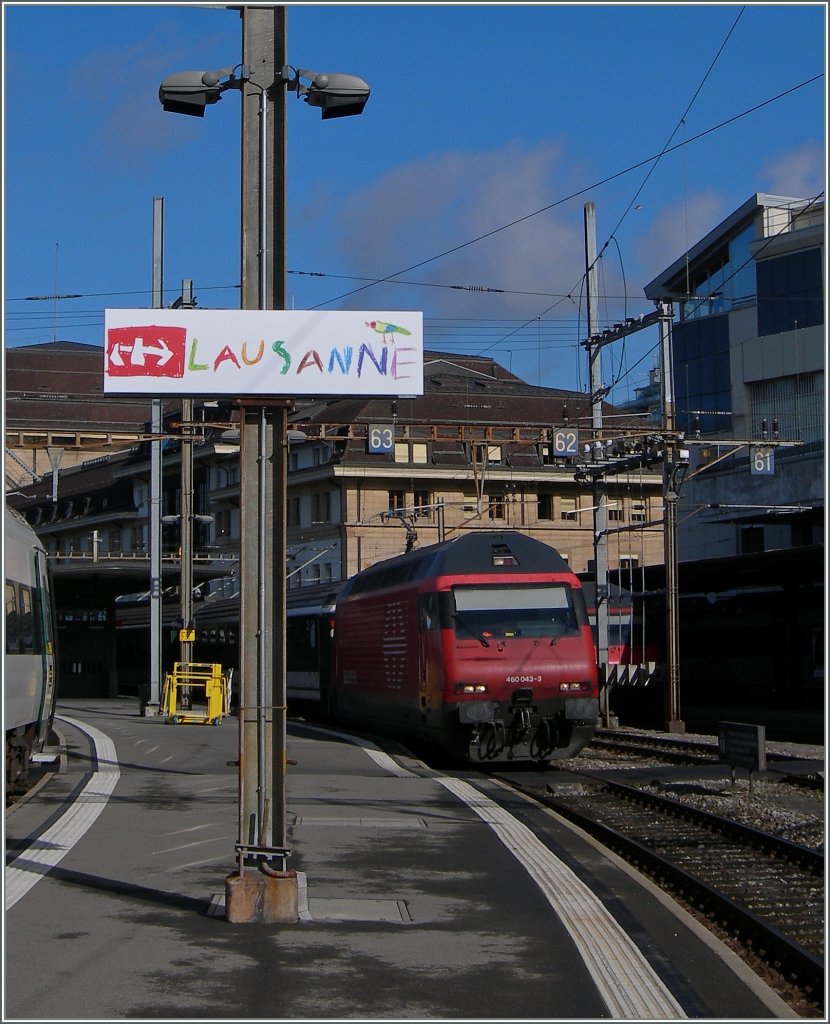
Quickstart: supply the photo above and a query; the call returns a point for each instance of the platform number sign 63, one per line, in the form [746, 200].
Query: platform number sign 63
[762, 462]
[381, 438]
[565, 444]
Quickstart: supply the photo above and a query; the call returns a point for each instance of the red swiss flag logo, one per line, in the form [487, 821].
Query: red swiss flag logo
[146, 351]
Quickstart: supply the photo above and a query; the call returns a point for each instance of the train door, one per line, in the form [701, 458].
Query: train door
[45, 618]
[428, 638]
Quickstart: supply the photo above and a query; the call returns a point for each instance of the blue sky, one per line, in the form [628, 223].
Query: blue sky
[480, 115]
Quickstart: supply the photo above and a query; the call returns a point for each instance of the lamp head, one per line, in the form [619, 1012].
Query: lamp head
[189, 92]
[336, 95]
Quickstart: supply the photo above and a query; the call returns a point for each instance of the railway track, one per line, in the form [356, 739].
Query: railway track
[763, 894]
[698, 750]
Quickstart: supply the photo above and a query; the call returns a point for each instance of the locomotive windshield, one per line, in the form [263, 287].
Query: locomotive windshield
[500, 612]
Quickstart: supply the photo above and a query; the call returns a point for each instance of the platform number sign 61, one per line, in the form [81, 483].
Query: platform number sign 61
[565, 444]
[381, 438]
[762, 462]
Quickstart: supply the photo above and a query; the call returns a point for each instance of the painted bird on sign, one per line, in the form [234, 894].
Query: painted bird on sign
[383, 328]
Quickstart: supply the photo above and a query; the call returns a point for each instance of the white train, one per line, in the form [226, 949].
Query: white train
[29, 671]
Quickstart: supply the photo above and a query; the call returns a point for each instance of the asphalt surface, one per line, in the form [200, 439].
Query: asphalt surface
[423, 895]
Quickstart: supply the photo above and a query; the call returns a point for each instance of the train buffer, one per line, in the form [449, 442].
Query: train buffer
[208, 693]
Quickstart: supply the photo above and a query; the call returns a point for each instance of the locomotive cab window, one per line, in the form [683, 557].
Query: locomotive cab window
[495, 612]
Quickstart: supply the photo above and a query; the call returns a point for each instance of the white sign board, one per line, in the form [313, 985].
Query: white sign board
[263, 352]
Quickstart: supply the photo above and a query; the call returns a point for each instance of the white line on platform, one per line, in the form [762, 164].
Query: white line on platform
[625, 979]
[52, 846]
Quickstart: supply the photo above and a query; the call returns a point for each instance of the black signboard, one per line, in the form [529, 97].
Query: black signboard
[743, 746]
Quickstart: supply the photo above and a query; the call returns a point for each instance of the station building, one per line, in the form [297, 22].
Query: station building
[475, 451]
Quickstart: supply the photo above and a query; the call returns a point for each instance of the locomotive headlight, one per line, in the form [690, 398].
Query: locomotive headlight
[565, 687]
[470, 688]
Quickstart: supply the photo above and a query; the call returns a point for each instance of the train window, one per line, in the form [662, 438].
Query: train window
[500, 612]
[301, 642]
[12, 630]
[23, 632]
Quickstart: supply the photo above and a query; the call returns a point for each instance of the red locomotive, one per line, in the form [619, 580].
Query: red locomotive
[480, 645]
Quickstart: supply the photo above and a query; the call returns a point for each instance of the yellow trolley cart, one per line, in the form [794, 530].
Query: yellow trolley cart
[196, 676]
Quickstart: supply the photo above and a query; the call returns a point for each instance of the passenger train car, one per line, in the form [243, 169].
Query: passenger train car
[633, 656]
[480, 644]
[29, 682]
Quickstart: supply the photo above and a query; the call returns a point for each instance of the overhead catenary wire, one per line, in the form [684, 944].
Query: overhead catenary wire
[573, 195]
[531, 320]
[388, 278]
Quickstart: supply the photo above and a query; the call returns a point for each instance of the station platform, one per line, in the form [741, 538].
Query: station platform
[423, 895]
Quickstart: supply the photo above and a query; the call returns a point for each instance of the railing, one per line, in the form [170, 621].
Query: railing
[134, 556]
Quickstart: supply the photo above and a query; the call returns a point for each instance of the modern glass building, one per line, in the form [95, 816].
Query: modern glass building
[748, 352]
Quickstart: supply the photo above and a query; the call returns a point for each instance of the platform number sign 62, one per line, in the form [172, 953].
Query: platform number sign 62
[565, 444]
[381, 438]
[762, 462]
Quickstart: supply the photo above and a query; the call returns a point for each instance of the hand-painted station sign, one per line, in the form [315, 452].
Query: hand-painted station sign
[263, 352]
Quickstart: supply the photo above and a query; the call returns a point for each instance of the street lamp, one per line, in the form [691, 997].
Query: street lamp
[269, 894]
[337, 95]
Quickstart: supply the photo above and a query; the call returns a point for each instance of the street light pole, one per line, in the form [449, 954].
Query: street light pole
[264, 78]
[263, 713]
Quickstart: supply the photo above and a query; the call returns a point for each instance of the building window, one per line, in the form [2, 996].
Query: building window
[702, 376]
[544, 506]
[223, 523]
[419, 453]
[790, 292]
[639, 511]
[567, 508]
[615, 512]
[292, 510]
[421, 503]
[293, 462]
[397, 501]
[726, 281]
[495, 506]
[321, 507]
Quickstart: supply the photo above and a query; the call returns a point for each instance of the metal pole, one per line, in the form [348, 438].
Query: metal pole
[263, 542]
[154, 697]
[671, 469]
[600, 501]
[186, 585]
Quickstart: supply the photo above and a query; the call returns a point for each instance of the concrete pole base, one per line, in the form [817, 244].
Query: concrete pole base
[257, 898]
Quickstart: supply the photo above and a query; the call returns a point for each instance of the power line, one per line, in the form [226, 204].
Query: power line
[388, 278]
[573, 195]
